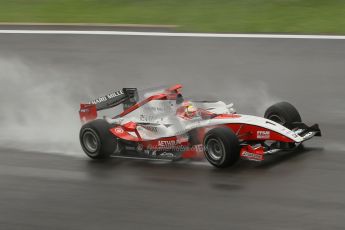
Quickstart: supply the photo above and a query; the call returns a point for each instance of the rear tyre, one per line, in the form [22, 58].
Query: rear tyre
[222, 148]
[96, 139]
[283, 113]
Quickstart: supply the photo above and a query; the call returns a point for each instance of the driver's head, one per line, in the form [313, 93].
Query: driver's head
[190, 111]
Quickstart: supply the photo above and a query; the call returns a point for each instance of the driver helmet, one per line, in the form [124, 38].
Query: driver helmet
[190, 110]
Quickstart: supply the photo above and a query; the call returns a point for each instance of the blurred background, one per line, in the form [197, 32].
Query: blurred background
[249, 16]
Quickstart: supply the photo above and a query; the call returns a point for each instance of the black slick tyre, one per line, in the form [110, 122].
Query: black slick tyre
[96, 139]
[283, 113]
[221, 147]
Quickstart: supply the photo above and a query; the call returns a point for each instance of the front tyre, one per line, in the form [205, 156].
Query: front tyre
[96, 139]
[221, 147]
[283, 113]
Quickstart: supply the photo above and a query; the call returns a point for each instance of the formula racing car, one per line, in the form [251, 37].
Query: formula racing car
[162, 124]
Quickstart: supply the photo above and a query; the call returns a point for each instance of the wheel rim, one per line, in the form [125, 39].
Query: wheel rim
[215, 149]
[277, 119]
[90, 141]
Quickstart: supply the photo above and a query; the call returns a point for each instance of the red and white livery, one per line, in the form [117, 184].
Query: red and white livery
[165, 125]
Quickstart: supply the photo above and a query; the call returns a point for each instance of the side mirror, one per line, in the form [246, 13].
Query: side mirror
[179, 99]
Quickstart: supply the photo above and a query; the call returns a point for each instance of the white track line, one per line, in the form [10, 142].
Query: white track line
[162, 34]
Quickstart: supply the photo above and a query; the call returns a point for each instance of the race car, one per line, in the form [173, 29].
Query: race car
[162, 124]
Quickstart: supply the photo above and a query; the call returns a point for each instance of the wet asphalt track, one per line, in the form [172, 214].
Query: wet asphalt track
[303, 190]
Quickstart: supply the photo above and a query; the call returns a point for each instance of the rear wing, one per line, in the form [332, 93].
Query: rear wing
[126, 96]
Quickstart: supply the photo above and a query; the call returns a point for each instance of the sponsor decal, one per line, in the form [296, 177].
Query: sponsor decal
[84, 110]
[251, 155]
[167, 154]
[263, 134]
[146, 118]
[162, 108]
[115, 94]
[119, 130]
[107, 97]
[198, 148]
[166, 144]
[99, 100]
[140, 147]
[150, 128]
